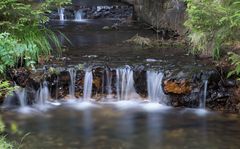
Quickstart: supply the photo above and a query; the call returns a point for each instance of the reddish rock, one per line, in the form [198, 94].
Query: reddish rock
[177, 87]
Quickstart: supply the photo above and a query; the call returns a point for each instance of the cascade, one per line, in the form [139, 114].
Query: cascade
[43, 94]
[22, 97]
[154, 86]
[88, 80]
[202, 103]
[61, 14]
[125, 84]
[109, 82]
[72, 73]
[20, 94]
[78, 15]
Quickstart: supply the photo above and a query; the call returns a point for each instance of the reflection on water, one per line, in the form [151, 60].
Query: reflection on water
[129, 128]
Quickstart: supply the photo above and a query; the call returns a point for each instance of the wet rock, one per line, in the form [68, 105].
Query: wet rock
[20, 76]
[79, 83]
[176, 87]
[106, 28]
[229, 83]
[140, 82]
[98, 80]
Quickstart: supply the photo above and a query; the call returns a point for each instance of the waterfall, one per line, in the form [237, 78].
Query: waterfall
[72, 73]
[61, 14]
[109, 82]
[22, 97]
[125, 84]
[43, 94]
[88, 80]
[154, 86]
[78, 15]
[202, 103]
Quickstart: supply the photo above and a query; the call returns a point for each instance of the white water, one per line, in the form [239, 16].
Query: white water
[202, 103]
[154, 86]
[125, 84]
[109, 83]
[22, 97]
[61, 14]
[88, 80]
[43, 94]
[72, 73]
[78, 15]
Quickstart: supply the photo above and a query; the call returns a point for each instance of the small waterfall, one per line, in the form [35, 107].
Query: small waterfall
[72, 73]
[78, 15]
[202, 103]
[125, 84]
[61, 14]
[43, 94]
[88, 80]
[154, 86]
[22, 97]
[109, 82]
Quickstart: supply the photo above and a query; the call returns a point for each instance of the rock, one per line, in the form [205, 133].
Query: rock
[176, 87]
[106, 28]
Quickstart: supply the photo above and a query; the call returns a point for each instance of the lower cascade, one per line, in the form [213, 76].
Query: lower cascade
[202, 103]
[72, 73]
[125, 84]
[61, 14]
[78, 15]
[109, 82]
[154, 86]
[88, 80]
[43, 94]
[22, 97]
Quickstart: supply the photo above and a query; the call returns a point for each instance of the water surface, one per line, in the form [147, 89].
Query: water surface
[126, 125]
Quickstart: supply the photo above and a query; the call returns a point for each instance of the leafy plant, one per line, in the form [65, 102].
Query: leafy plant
[24, 38]
[235, 61]
[3, 143]
[5, 88]
[212, 24]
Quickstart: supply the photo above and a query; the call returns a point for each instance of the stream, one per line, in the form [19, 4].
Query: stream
[110, 94]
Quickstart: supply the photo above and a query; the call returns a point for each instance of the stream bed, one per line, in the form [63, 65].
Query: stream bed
[125, 125]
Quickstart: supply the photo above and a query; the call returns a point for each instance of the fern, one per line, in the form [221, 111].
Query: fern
[235, 61]
[23, 35]
[213, 24]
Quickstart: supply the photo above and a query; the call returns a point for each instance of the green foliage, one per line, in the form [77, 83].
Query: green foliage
[5, 88]
[212, 24]
[24, 37]
[11, 51]
[3, 143]
[235, 61]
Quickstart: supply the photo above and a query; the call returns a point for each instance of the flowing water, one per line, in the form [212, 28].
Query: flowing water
[72, 73]
[43, 94]
[78, 15]
[154, 85]
[130, 122]
[88, 80]
[21, 96]
[202, 102]
[109, 83]
[61, 14]
[132, 127]
[125, 84]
